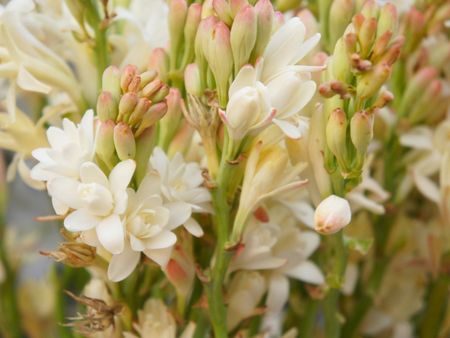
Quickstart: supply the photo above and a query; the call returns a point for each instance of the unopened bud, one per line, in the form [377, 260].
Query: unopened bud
[104, 142]
[169, 124]
[336, 134]
[159, 61]
[243, 36]
[366, 35]
[111, 81]
[331, 215]
[152, 88]
[161, 94]
[387, 19]
[190, 30]
[151, 116]
[236, 5]
[124, 141]
[192, 80]
[223, 11]
[359, 64]
[439, 55]
[393, 52]
[361, 131]
[126, 105]
[74, 254]
[340, 63]
[381, 44]
[370, 9]
[383, 99]
[424, 105]
[177, 18]
[264, 14]
[128, 74]
[107, 108]
[144, 147]
[341, 12]
[147, 77]
[370, 83]
[142, 106]
[135, 84]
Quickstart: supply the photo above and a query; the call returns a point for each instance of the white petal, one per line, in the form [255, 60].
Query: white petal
[307, 46]
[121, 175]
[25, 174]
[163, 240]
[278, 293]
[245, 78]
[80, 220]
[91, 173]
[311, 240]
[59, 207]
[192, 226]
[427, 187]
[111, 235]
[308, 272]
[123, 264]
[179, 213]
[288, 129]
[160, 256]
[28, 82]
[65, 190]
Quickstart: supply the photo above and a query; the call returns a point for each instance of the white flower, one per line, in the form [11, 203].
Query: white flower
[99, 201]
[181, 182]
[70, 147]
[155, 320]
[149, 225]
[332, 214]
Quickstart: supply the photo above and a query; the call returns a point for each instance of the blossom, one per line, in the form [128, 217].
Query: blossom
[332, 214]
[148, 228]
[155, 320]
[98, 201]
[70, 147]
[181, 183]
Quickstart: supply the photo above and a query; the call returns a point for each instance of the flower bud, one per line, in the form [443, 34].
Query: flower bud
[243, 36]
[341, 12]
[144, 147]
[220, 59]
[147, 77]
[361, 131]
[126, 105]
[370, 82]
[236, 5]
[190, 31]
[74, 254]
[366, 36]
[370, 9]
[387, 19]
[192, 80]
[128, 74]
[331, 215]
[177, 18]
[159, 61]
[104, 146]
[142, 106]
[265, 14]
[286, 5]
[169, 124]
[106, 106]
[111, 81]
[336, 134]
[340, 65]
[202, 45]
[151, 116]
[223, 11]
[427, 101]
[124, 141]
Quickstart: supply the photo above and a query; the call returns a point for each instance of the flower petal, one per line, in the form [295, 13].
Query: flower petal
[192, 226]
[288, 128]
[245, 78]
[179, 213]
[91, 173]
[163, 240]
[81, 220]
[121, 175]
[278, 293]
[111, 234]
[308, 272]
[123, 264]
[160, 256]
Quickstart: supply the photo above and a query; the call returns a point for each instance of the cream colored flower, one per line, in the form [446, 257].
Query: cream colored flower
[332, 214]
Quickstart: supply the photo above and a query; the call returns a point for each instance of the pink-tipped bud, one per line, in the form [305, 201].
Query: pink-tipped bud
[126, 105]
[190, 31]
[387, 19]
[370, 82]
[177, 19]
[142, 106]
[310, 21]
[192, 80]
[223, 11]
[367, 35]
[152, 88]
[159, 62]
[236, 5]
[361, 131]
[161, 94]
[151, 116]
[393, 52]
[135, 84]
[381, 44]
[341, 12]
[104, 144]
[124, 141]
[128, 74]
[336, 135]
[243, 36]
[370, 9]
[265, 13]
[111, 81]
[107, 108]
[147, 77]
[331, 215]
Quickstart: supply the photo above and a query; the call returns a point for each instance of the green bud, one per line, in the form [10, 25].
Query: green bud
[177, 19]
[104, 146]
[340, 64]
[387, 19]
[161, 94]
[106, 106]
[370, 9]
[190, 31]
[124, 141]
[223, 11]
[192, 80]
[128, 74]
[370, 82]
[366, 36]
[152, 88]
[361, 131]
[111, 81]
[142, 106]
[126, 105]
[151, 116]
[426, 103]
[159, 62]
[169, 124]
[341, 13]
[336, 134]
[243, 36]
[265, 13]
[147, 77]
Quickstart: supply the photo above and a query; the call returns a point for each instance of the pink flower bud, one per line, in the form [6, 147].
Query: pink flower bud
[331, 215]
[151, 116]
[235, 6]
[243, 36]
[223, 10]
[159, 61]
[104, 146]
[111, 81]
[177, 19]
[366, 36]
[361, 131]
[126, 105]
[370, 82]
[106, 106]
[141, 108]
[387, 19]
[124, 141]
[190, 31]
[147, 77]
[265, 13]
[336, 135]
[128, 73]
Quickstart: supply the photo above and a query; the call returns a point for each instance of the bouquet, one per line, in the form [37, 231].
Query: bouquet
[226, 168]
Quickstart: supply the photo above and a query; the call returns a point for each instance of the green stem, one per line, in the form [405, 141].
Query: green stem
[306, 325]
[101, 53]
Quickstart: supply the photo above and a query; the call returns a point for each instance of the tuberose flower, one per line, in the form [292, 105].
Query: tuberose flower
[332, 214]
